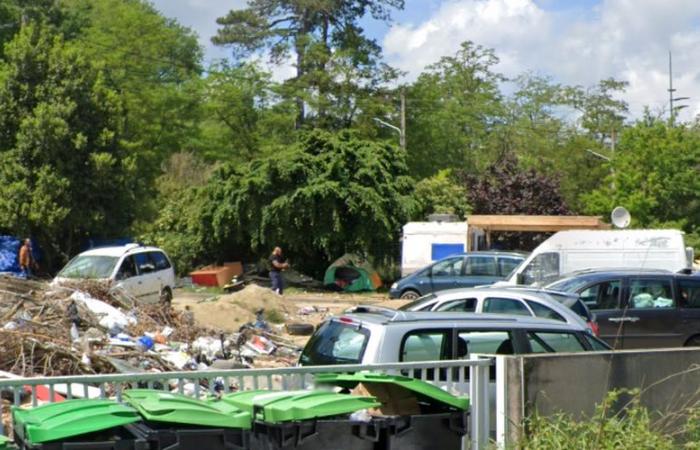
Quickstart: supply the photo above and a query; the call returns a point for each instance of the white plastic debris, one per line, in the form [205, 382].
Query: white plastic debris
[110, 317]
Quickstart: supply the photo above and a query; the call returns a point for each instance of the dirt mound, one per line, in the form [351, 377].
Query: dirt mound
[228, 312]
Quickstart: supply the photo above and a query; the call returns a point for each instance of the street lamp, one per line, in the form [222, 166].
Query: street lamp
[402, 134]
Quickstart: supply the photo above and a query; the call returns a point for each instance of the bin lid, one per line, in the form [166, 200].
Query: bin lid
[162, 406]
[425, 392]
[281, 406]
[56, 421]
[247, 400]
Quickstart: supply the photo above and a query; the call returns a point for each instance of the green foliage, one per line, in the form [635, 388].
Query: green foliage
[327, 195]
[61, 154]
[605, 430]
[451, 111]
[337, 67]
[441, 194]
[654, 174]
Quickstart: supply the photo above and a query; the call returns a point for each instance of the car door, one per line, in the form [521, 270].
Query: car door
[444, 274]
[127, 278]
[147, 279]
[163, 269]
[603, 299]
[689, 301]
[478, 270]
[651, 318]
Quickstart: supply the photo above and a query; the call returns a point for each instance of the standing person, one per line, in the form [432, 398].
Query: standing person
[26, 259]
[278, 263]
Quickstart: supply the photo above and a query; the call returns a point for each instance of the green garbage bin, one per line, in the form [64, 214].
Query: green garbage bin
[178, 422]
[435, 419]
[307, 420]
[77, 425]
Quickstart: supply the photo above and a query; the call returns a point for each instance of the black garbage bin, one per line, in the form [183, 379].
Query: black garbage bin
[177, 422]
[433, 418]
[308, 420]
[77, 425]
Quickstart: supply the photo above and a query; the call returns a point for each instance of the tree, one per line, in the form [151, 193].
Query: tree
[654, 174]
[324, 39]
[505, 188]
[452, 108]
[329, 194]
[441, 194]
[64, 173]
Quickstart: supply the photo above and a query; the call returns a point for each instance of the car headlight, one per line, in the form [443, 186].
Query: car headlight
[395, 285]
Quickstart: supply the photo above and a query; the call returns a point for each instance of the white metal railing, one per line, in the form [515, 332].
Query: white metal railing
[450, 375]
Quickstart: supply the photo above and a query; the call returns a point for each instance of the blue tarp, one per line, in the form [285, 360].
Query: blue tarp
[9, 250]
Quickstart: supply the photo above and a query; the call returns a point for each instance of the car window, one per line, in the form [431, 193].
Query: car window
[449, 268]
[481, 266]
[425, 345]
[498, 342]
[89, 266]
[650, 293]
[127, 269]
[506, 265]
[690, 293]
[603, 295]
[543, 267]
[460, 305]
[144, 264]
[419, 304]
[596, 344]
[500, 305]
[336, 343]
[160, 260]
[545, 312]
[554, 341]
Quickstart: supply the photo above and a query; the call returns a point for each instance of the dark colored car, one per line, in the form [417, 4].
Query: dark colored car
[640, 309]
[458, 271]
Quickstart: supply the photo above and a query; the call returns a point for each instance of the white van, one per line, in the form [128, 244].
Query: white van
[145, 273]
[567, 251]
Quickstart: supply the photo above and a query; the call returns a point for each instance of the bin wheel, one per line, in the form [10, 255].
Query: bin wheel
[166, 296]
[300, 329]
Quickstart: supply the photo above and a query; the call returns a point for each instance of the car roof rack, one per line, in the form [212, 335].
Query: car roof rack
[389, 313]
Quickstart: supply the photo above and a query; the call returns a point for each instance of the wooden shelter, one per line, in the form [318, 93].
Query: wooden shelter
[534, 224]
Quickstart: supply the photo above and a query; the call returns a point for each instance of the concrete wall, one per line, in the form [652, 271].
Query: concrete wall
[575, 383]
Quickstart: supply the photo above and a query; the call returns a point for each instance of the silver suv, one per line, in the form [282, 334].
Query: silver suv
[373, 335]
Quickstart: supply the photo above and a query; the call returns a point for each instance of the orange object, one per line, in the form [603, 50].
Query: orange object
[216, 275]
[159, 339]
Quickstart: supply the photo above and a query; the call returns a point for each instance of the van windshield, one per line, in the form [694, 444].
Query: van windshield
[335, 343]
[89, 266]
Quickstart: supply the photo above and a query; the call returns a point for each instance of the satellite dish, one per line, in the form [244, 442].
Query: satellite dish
[621, 218]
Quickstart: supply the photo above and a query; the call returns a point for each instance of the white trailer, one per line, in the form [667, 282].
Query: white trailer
[426, 242]
[568, 251]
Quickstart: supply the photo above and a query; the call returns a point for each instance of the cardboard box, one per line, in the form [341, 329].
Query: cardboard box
[217, 275]
[395, 400]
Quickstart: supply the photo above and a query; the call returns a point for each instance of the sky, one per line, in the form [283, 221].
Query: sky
[575, 42]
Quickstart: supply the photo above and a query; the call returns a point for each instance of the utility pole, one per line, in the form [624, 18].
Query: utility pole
[672, 109]
[402, 133]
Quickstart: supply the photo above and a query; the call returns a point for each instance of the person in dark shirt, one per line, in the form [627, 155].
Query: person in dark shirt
[278, 263]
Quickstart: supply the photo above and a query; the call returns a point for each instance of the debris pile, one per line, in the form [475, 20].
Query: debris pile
[87, 328]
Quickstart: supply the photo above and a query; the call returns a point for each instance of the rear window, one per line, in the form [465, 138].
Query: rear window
[335, 343]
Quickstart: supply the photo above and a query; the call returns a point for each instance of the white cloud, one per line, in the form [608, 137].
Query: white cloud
[624, 39]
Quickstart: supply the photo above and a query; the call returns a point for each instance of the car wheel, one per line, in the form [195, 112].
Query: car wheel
[166, 296]
[409, 294]
[693, 341]
[300, 329]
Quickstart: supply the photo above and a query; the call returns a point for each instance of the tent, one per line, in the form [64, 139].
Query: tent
[351, 273]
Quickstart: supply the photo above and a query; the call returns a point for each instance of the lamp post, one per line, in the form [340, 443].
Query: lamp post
[402, 129]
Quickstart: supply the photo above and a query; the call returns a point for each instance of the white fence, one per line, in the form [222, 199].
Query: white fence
[463, 377]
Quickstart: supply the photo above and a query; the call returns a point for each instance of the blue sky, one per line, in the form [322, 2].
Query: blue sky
[573, 41]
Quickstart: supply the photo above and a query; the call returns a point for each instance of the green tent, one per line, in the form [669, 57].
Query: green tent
[351, 273]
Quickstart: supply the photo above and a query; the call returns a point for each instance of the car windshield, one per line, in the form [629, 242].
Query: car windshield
[335, 343]
[417, 304]
[89, 266]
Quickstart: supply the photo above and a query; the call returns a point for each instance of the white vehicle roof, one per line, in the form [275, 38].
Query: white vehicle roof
[119, 250]
[611, 239]
[435, 228]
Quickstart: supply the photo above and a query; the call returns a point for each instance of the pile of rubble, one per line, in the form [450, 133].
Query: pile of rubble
[88, 329]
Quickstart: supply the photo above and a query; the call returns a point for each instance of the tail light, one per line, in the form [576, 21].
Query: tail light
[594, 328]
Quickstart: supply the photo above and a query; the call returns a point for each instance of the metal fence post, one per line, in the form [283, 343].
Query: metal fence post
[479, 399]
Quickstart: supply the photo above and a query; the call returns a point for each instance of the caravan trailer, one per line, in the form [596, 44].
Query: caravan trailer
[568, 251]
